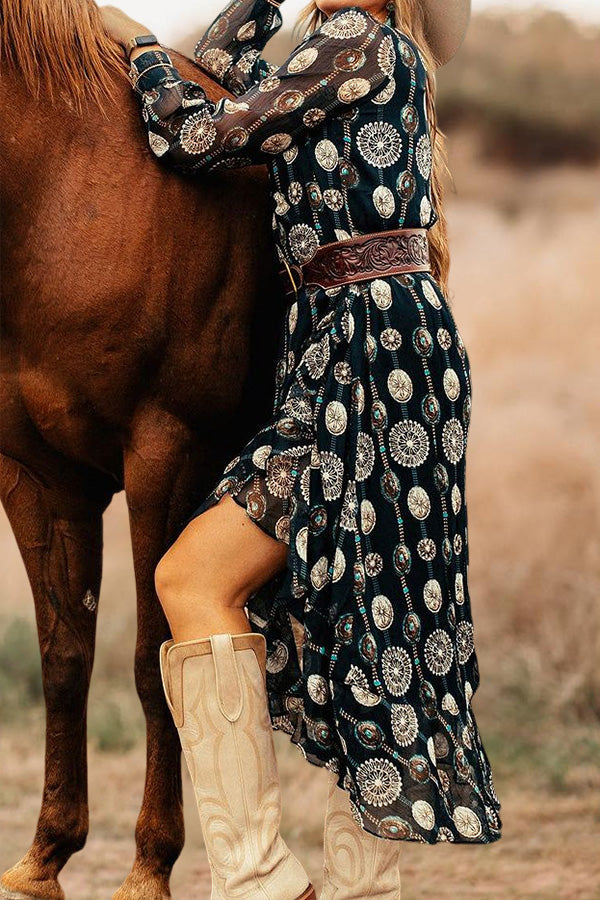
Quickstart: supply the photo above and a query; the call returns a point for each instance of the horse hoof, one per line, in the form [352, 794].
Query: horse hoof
[7, 894]
[11, 893]
[17, 883]
[138, 886]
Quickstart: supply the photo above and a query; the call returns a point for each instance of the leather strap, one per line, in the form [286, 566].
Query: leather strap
[362, 258]
[229, 687]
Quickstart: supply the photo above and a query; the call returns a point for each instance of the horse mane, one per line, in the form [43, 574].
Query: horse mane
[61, 44]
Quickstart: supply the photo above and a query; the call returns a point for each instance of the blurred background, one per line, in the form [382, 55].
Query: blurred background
[520, 104]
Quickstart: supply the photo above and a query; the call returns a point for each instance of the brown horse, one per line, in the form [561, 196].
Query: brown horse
[132, 299]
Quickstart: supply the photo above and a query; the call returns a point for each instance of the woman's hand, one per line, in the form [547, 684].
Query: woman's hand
[119, 25]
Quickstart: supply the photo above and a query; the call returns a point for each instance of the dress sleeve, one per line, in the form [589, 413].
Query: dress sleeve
[346, 61]
[230, 49]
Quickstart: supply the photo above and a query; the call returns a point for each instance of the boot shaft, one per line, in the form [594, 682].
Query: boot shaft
[356, 864]
[216, 690]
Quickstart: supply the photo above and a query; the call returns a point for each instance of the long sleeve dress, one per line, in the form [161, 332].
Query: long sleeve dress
[361, 468]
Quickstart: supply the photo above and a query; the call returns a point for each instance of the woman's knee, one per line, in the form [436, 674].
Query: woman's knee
[169, 575]
[220, 556]
[181, 575]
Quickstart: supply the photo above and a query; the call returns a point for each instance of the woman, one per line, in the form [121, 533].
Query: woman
[346, 512]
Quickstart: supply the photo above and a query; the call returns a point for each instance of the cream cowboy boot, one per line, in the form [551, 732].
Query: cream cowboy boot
[216, 691]
[356, 864]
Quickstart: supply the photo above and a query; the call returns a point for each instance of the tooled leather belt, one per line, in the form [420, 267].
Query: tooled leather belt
[361, 258]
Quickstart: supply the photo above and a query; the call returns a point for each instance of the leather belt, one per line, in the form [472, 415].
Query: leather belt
[361, 258]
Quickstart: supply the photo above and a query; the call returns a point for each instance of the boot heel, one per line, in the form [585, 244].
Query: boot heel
[309, 894]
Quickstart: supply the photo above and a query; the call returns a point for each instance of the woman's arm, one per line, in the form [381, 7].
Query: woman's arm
[328, 73]
[230, 48]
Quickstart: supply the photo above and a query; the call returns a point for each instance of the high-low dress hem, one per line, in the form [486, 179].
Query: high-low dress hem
[327, 716]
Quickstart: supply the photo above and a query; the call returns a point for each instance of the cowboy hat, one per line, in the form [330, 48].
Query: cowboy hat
[446, 23]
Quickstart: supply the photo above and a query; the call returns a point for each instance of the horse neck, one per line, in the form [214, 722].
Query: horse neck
[40, 137]
[22, 138]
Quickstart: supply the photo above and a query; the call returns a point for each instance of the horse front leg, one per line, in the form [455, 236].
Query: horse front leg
[59, 534]
[161, 473]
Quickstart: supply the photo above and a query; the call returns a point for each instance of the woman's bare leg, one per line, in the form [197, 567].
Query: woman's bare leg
[205, 578]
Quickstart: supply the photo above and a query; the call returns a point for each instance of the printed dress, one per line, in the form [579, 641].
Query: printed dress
[361, 468]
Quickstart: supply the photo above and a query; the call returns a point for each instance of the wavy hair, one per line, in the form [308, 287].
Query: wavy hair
[408, 17]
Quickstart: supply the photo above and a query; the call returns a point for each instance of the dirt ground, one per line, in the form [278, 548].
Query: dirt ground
[524, 293]
[548, 849]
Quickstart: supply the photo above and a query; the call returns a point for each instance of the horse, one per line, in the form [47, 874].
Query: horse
[140, 324]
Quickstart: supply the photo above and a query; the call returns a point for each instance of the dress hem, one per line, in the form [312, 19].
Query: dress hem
[293, 721]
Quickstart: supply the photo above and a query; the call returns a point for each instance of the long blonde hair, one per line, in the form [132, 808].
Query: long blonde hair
[409, 18]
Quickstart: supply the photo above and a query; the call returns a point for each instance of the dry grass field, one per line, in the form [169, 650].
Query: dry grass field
[524, 292]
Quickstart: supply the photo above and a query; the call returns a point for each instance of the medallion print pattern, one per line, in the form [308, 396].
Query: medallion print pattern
[360, 470]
